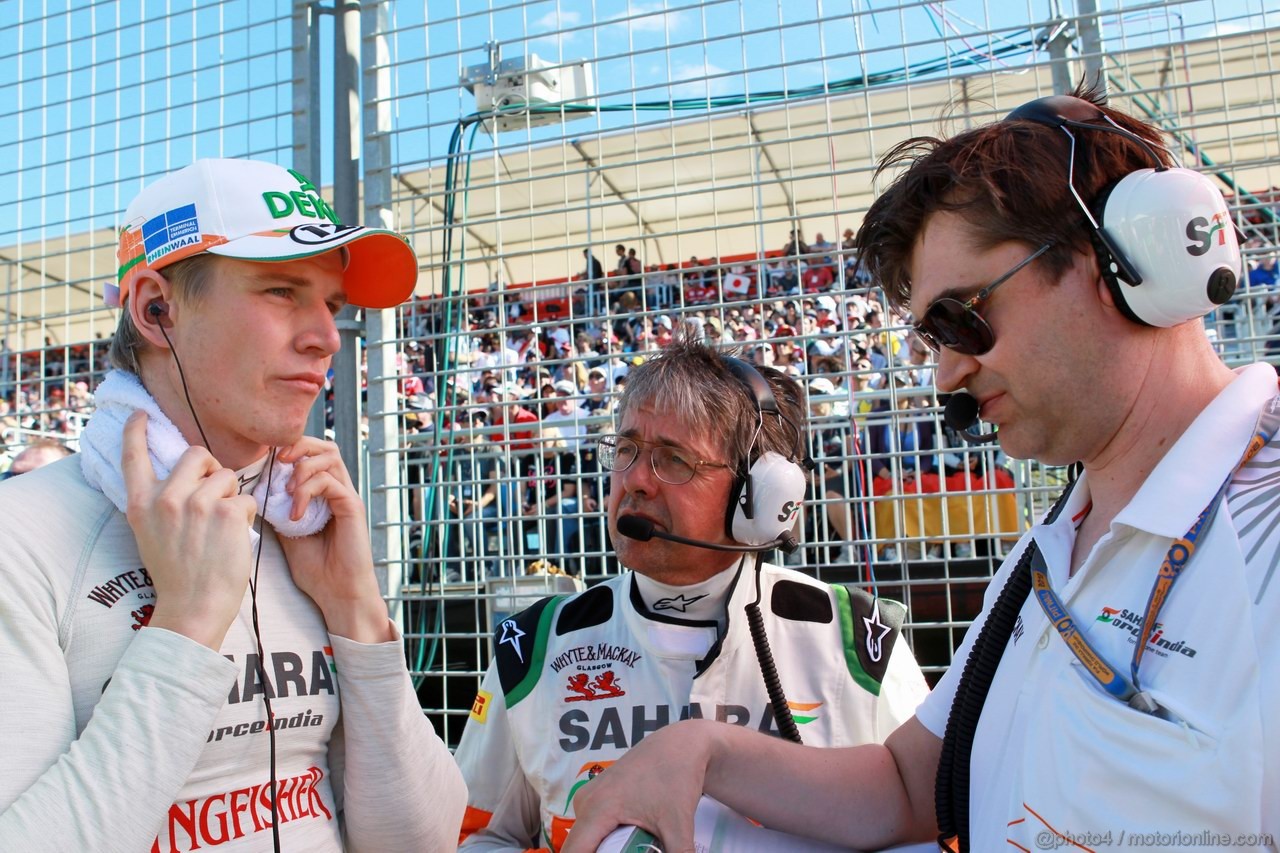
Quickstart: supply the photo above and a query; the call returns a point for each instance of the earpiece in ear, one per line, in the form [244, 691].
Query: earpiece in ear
[158, 311]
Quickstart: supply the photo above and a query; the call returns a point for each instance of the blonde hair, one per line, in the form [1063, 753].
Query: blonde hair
[190, 278]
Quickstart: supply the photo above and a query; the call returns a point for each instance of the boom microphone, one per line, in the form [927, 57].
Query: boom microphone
[642, 529]
[961, 414]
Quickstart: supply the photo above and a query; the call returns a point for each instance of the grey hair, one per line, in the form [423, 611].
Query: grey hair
[693, 381]
[190, 278]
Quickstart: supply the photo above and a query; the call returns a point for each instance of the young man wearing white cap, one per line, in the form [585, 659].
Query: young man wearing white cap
[168, 643]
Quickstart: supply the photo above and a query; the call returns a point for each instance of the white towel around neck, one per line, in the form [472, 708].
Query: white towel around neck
[101, 444]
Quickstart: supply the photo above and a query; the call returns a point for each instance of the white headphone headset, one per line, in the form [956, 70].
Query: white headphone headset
[768, 491]
[1165, 241]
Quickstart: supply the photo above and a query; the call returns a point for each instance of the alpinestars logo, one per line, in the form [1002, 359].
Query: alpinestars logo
[678, 603]
[1157, 642]
[511, 633]
[876, 631]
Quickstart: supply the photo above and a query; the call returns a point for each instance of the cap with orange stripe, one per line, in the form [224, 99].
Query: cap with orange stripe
[256, 211]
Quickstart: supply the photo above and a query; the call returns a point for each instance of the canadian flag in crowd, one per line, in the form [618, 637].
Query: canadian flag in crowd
[737, 284]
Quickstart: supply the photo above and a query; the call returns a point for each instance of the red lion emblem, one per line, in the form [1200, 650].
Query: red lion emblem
[605, 686]
[142, 616]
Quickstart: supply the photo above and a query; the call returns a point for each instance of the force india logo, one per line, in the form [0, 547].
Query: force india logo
[1157, 642]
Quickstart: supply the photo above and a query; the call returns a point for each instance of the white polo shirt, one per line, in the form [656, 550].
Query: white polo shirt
[1056, 759]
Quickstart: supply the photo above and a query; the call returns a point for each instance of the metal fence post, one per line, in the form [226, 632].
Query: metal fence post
[383, 462]
[346, 201]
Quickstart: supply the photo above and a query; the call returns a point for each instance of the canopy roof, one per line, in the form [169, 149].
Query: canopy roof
[726, 183]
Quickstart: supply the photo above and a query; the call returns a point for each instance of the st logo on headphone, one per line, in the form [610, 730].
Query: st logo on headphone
[1199, 230]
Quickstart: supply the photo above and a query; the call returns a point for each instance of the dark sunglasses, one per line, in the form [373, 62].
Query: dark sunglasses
[957, 325]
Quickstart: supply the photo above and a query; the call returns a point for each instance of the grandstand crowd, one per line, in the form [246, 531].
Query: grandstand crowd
[502, 393]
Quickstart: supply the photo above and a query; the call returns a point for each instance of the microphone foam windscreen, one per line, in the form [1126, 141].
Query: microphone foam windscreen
[961, 411]
[635, 527]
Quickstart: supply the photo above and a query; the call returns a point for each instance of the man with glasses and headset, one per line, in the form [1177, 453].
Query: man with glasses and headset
[575, 682]
[1059, 265]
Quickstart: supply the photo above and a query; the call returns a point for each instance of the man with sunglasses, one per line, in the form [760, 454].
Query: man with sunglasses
[1093, 704]
[576, 682]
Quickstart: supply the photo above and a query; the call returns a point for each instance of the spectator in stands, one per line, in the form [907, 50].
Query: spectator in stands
[662, 332]
[823, 249]
[599, 400]
[634, 266]
[687, 424]
[550, 490]
[35, 455]
[595, 270]
[795, 246]
[883, 341]
[567, 415]
[836, 477]
[788, 281]
[715, 331]
[10, 426]
[664, 285]
[921, 362]
[787, 354]
[761, 355]
[828, 318]
[480, 493]
[1263, 272]
[509, 413]
[627, 272]
[816, 278]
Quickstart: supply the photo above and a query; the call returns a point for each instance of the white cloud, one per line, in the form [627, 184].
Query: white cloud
[552, 26]
[558, 20]
[651, 18]
[690, 81]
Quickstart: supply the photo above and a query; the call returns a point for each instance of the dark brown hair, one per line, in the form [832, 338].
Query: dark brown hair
[1008, 180]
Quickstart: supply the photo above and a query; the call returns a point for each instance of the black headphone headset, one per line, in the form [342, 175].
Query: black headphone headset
[1165, 241]
[768, 488]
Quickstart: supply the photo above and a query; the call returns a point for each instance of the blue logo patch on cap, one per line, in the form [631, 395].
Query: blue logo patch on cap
[170, 231]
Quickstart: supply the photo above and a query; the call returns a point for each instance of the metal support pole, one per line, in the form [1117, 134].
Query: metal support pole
[1056, 38]
[346, 202]
[1091, 43]
[306, 125]
[385, 498]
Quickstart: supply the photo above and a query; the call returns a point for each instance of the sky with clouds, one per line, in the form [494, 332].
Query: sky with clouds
[95, 98]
